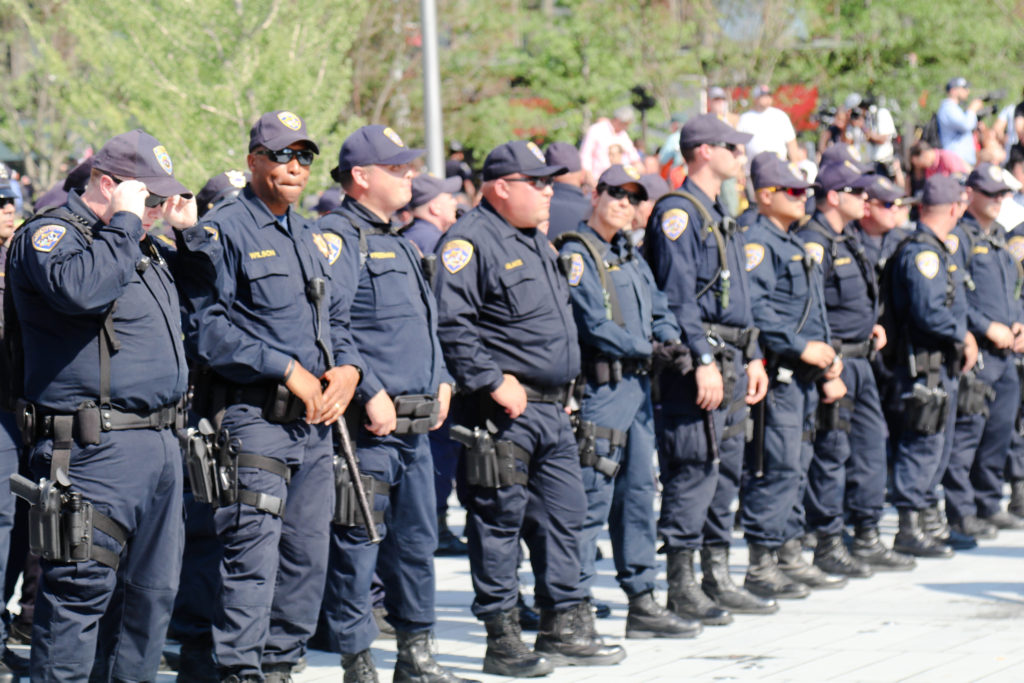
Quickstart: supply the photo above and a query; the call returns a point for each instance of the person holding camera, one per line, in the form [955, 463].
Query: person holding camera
[956, 125]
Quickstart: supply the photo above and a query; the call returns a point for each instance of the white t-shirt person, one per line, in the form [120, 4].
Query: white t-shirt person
[772, 131]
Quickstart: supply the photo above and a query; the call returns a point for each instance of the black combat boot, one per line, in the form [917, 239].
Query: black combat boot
[415, 661]
[685, 596]
[867, 547]
[1004, 521]
[974, 527]
[912, 540]
[195, 663]
[933, 523]
[359, 668]
[529, 620]
[765, 579]
[1016, 506]
[793, 565]
[238, 678]
[567, 638]
[507, 654]
[648, 619]
[448, 544]
[831, 557]
[719, 586]
[277, 673]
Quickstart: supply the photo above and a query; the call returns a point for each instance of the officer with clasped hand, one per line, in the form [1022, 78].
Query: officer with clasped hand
[405, 392]
[509, 339]
[96, 305]
[619, 313]
[696, 253]
[271, 323]
[795, 337]
[931, 348]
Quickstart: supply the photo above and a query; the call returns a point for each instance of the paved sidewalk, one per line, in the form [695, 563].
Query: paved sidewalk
[948, 620]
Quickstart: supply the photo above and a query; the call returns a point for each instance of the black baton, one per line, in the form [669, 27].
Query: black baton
[341, 430]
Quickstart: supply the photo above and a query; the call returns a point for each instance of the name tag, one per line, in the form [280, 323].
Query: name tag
[265, 253]
[514, 264]
[382, 254]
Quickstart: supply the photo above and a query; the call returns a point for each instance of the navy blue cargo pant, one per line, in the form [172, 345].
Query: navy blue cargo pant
[89, 617]
[404, 559]
[697, 495]
[626, 501]
[547, 513]
[10, 446]
[852, 458]
[273, 568]
[773, 510]
[973, 482]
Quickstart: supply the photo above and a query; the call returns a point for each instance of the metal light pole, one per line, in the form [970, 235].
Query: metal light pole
[432, 89]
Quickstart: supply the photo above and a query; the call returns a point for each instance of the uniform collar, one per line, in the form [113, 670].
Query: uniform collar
[691, 187]
[78, 206]
[259, 211]
[353, 207]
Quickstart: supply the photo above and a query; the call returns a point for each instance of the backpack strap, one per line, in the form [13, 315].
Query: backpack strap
[611, 297]
[716, 229]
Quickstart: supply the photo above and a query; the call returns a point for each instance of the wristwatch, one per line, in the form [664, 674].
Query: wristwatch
[706, 359]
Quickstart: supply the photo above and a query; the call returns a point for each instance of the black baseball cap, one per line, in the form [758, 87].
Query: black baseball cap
[842, 176]
[278, 129]
[137, 155]
[425, 187]
[330, 199]
[838, 153]
[374, 146]
[519, 156]
[768, 170]
[655, 185]
[957, 82]
[988, 178]
[941, 189]
[709, 129]
[884, 190]
[618, 175]
[563, 154]
[220, 187]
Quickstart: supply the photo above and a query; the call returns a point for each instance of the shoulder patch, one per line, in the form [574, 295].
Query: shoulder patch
[952, 243]
[213, 231]
[456, 255]
[575, 270]
[45, 238]
[329, 245]
[755, 254]
[1016, 247]
[816, 251]
[674, 222]
[927, 263]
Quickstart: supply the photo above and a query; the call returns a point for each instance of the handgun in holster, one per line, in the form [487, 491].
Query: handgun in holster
[586, 439]
[60, 521]
[346, 501]
[228, 449]
[490, 463]
[925, 408]
[201, 460]
[973, 396]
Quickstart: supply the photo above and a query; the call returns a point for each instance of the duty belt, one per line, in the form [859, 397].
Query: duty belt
[986, 345]
[730, 334]
[546, 394]
[88, 421]
[856, 349]
[279, 405]
[609, 371]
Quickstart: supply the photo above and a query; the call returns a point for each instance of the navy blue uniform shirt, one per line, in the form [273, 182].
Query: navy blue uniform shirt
[921, 290]
[781, 284]
[393, 315]
[850, 285]
[503, 305]
[644, 309]
[569, 206]
[683, 255]
[878, 248]
[991, 266]
[63, 287]
[245, 274]
[423, 234]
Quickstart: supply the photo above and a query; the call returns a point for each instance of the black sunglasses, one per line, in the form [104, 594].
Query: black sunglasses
[618, 192]
[152, 200]
[283, 156]
[727, 145]
[993, 195]
[537, 183]
[798, 192]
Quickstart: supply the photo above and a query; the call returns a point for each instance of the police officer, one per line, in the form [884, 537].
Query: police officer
[95, 305]
[195, 604]
[929, 302]
[405, 391]
[879, 234]
[510, 341]
[695, 251]
[10, 441]
[786, 283]
[853, 428]
[569, 205]
[1015, 457]
[619, 311]
[433, 208]
[990, 396]
[269, 321]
